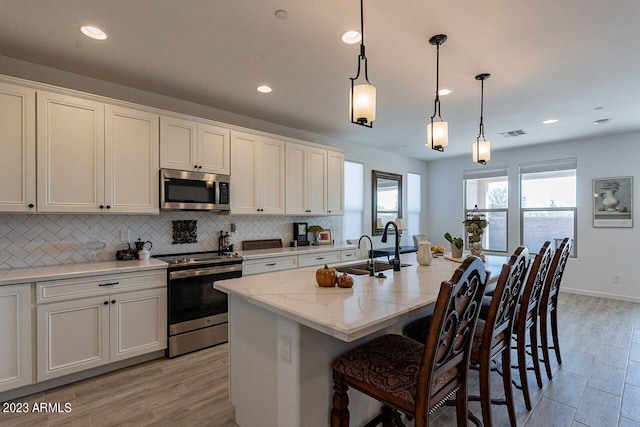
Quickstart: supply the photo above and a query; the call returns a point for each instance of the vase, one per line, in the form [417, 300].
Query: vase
[476, 250]
[609, 199]
[424, 256]
[314, 238]
[455, 251]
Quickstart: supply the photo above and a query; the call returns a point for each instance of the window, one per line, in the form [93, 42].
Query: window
[414, 203]
[548, 203]
[488, 189]
[353, 200]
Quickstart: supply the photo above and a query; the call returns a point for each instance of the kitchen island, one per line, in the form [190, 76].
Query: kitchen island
[284, 331]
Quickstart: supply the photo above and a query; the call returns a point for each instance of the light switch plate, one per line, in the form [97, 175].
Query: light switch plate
[125, 235]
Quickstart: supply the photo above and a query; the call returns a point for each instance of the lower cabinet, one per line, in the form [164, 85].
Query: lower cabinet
[84, 333]
[288, 261]
[15, 336]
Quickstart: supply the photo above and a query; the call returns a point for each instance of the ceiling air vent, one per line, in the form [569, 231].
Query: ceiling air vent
[513, 133]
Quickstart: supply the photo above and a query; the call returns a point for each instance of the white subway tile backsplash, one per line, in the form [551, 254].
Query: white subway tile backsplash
[35, 240]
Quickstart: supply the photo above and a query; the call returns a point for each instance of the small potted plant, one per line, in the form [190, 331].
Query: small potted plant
[456, 245]
[314, 230]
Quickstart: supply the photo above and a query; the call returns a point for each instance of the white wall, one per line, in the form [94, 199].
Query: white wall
[602, 252]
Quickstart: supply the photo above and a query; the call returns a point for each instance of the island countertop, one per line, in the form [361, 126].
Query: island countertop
[348, 314]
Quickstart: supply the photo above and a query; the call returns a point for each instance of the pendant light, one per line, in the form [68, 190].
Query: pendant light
[481, 149]
[438, 131]
[362, 99]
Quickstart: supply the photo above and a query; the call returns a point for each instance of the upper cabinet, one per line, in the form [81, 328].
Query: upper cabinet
[257, 174]
[85, 166]
[18, 141]
[194, 146]
[335, 183]
[306, 173]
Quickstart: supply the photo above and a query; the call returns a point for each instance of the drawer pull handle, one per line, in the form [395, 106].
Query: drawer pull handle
[109, 284]
[346, 255]
[319, 257]
[271, 264]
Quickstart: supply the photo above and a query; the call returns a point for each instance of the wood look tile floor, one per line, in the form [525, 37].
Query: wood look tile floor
[598, 383]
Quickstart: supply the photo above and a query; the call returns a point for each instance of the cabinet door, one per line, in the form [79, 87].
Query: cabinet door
[70, 152]
[72, 336]
[245, 172]
[15, 336]
[131, 160]
[138, 323]
[317, 181]
[213, 149]
[272, 181]
[335, 183]
[296, 175]
[18, 139]
[178, 144]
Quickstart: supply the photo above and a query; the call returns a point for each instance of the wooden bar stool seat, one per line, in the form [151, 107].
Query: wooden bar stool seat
[414, 377]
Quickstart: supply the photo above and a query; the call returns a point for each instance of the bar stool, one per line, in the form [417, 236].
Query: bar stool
[549, 304]
[412, 377]
[526, 320]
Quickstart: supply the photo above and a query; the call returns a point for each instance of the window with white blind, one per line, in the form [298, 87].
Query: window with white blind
[488, 189]
[353, 200]
[414, 204]
[548, 208]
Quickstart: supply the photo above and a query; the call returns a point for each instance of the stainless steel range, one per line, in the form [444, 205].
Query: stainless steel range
[198, 312]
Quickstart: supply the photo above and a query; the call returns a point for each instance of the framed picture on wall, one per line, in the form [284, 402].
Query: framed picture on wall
[613, 202]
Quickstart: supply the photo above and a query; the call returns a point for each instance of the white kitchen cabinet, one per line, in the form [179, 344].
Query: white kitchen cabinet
[70, 152]
[307, 260]
[306, 174]
[194, 146]
[119, 316]
[335, 183]
[86, 165]
[257, 174]
[131, 161]
[348, 255]
[15, 336]
[18, 141]
[270, 264]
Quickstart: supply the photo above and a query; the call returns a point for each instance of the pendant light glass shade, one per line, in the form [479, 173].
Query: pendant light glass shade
[481, 151]
[437, 135]
[363, 103]
[437, 131]
[362, 96]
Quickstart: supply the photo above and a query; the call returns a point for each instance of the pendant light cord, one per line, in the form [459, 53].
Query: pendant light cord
[481, 131]
[436, 102]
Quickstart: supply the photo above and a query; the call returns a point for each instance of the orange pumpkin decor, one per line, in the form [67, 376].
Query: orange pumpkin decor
[326, 277]
[344, 281]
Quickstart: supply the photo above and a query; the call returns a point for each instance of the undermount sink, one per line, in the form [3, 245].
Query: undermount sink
[361, 269]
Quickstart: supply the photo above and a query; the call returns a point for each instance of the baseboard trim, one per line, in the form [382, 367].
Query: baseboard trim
[601, 295]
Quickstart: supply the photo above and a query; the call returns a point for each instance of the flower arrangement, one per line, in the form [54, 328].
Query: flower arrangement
[315, 229]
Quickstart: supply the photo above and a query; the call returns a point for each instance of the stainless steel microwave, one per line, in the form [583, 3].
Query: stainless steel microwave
[194, 191]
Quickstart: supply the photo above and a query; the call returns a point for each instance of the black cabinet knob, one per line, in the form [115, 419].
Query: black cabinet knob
[106, 303]
[195, 166]
[108, 206]
[101, 206]
[113, 301]
[31, 205]
[200, 167]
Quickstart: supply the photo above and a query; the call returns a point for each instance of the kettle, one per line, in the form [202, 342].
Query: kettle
[140, 245]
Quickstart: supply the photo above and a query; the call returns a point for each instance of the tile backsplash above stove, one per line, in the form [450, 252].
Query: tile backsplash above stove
[34, 240]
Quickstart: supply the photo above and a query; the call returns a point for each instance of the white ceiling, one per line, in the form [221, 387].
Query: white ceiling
[547, 59]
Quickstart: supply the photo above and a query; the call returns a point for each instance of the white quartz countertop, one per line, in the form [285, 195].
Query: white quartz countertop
[65, 271]
[370, 305]
[299, 250]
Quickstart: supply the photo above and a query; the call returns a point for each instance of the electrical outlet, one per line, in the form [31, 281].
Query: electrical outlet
[285, 348]
[125, 235]
[615, 279]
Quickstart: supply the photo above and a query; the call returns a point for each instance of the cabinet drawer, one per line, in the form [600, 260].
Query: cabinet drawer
[307, 260]
[67, 289]
[348, 255]
[257, 266]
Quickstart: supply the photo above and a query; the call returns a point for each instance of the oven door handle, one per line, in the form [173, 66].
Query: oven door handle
[207, 271]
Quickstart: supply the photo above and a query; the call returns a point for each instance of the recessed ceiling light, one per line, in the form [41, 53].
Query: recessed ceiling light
[351, 37]
[93, 32]
[601, 122]
[550, 121]
[264, 89]
[445, 92]
[281, 14]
